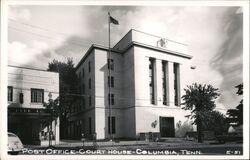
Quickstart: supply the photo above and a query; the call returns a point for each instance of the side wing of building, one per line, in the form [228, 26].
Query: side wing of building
[28, 89]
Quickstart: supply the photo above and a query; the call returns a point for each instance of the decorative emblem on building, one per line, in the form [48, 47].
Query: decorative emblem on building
[154, 124]
[162, 43]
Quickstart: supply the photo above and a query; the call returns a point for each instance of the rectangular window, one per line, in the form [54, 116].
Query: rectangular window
[89, 66]
[37, 95]
[90, 126]
[111, 64]
[80, 89]
[82, 72]
[151, 80]
[89, 100]
[164, 83]
[77, 107]
[111, 98]
[83, 88]
[112, 123]
[10, 93]
[83, 103]
[111, 81]
[80, 76]
[176, 85]
[89, 83]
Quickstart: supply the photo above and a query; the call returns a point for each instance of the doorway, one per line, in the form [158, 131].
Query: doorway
[167, 127]
[23, 130]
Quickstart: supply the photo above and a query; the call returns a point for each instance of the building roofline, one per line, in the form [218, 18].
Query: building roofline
[31, 68]
[149, 35]
[160, 37]
[94, 46]
[133, 43]
[123, 38]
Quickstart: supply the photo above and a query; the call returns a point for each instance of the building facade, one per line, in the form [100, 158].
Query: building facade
[28, 118]
[141, 81]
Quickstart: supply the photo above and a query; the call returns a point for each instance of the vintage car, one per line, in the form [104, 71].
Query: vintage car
[14, 144]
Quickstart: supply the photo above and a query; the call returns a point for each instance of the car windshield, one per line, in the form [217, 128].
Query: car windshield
[11, 135]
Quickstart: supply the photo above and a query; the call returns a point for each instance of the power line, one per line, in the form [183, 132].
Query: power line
[48, 30]
[45, 29]
[38, 27]
[43, 36]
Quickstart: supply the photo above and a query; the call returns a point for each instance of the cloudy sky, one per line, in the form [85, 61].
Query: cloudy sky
[39, 34]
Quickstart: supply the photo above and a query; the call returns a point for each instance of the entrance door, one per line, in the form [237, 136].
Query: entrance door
[23, 130]
[167, 127]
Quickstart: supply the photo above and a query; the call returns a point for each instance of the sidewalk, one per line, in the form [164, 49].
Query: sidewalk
[165, 143]
[171, 142]
[77, 143]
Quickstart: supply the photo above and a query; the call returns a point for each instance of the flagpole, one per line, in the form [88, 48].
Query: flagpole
[109, 95]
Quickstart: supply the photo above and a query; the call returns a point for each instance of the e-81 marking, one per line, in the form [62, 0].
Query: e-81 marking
[234, 152]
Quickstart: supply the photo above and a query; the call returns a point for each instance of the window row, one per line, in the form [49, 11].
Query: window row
[111, 83]
[37, 95]
[82, 73]
[165, 82]
[82, 103]
[77, 127]
[110, 66]
[151, 80]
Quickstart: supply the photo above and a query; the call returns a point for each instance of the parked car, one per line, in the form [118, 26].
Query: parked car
[14, 144]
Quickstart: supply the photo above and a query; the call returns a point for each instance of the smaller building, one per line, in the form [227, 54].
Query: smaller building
[28, 118]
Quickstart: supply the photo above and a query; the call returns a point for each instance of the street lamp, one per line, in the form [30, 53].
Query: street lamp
[50, 96]
[50, 126]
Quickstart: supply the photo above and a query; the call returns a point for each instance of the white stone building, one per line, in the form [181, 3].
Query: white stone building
[147, 79]
[27, 116]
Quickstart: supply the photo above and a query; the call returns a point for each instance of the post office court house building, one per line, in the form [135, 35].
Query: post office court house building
[147, 75]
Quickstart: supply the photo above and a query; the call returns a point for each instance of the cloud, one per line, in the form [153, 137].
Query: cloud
[214, 36]
[20, 54]
[19, 13]
[65, 20]
[228, 60]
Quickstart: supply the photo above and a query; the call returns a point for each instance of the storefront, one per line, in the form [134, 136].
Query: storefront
[32, 126]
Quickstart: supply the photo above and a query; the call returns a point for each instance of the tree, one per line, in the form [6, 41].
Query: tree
[236, 115]
[216, 121]
[67, 89]
[200, 100]
[53, 108]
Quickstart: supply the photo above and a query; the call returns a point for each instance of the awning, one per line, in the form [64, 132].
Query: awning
[31, 113]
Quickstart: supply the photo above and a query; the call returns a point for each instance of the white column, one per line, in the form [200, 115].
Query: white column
[171, 83]
[158, 80]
